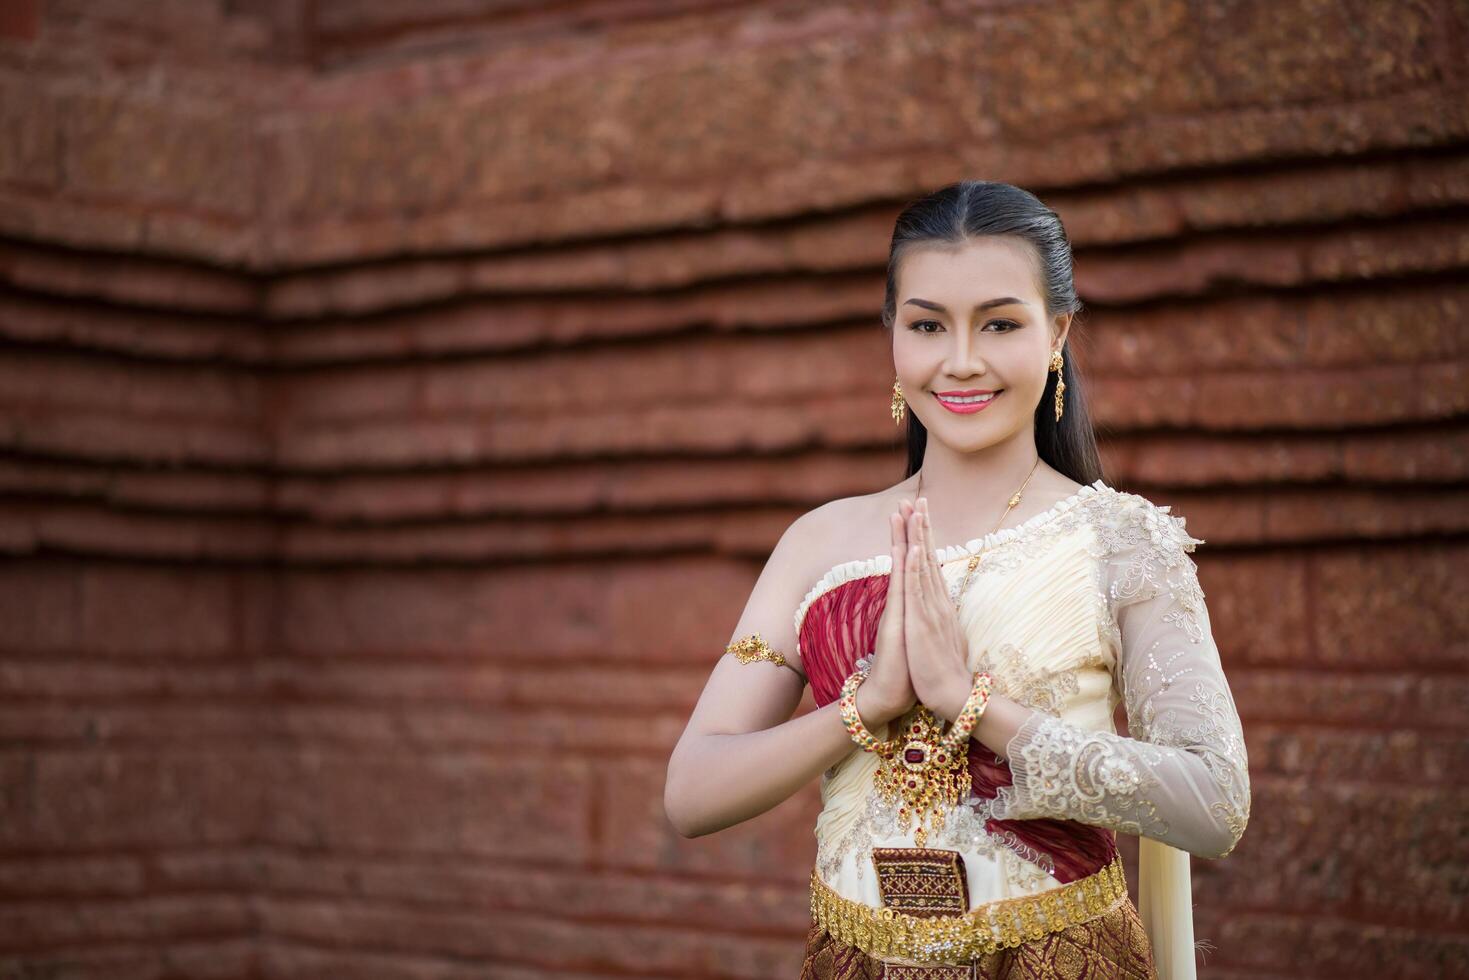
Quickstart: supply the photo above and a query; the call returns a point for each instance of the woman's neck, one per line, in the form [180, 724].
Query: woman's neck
[971, 490]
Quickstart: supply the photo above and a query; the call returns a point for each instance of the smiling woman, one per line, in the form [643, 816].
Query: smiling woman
[972, 782]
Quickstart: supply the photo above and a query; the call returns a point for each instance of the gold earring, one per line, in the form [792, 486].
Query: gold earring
[899, 405]
[1057, 362]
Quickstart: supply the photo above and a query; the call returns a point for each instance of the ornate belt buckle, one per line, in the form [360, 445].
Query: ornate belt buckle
[922, 881]
[896, 971]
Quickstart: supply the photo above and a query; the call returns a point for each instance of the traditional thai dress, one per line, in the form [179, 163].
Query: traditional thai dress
[1092, 602]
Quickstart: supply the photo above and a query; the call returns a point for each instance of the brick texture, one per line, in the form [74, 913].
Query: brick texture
[398, 401]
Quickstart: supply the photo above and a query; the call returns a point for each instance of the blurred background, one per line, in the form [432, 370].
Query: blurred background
[400, 399]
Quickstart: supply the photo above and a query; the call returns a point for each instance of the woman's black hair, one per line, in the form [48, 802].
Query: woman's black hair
[970, 209]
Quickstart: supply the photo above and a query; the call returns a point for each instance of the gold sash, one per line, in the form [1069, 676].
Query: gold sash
[885, 932]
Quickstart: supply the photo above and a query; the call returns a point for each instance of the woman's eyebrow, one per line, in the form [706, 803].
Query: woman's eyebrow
[929, 304]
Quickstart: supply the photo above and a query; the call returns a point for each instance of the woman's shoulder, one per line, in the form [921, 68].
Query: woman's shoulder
[1130, 520]
[842, 531]
[817, 532]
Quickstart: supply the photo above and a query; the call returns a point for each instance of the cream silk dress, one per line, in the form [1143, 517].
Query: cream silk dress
[1092, 602]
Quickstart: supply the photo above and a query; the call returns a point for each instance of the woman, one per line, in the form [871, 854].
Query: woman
[971, 778]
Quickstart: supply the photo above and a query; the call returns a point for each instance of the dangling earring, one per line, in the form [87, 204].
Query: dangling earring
[1057, 362]
[899, 405]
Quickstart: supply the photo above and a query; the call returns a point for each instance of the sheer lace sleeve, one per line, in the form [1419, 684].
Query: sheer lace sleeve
[1182, 777]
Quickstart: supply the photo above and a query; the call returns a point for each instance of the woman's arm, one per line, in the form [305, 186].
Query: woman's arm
[1182, 778]
[742, 752]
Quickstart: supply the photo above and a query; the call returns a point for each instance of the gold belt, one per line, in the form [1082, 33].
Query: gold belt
[980, 931]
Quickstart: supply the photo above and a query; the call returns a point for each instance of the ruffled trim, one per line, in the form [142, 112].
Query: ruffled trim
[882, 564]
[845, 572]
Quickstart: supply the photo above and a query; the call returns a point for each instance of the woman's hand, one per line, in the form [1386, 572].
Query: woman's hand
[936, 648]
[888, 691]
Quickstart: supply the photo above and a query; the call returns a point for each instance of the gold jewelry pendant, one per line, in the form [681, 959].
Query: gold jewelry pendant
[1057, 363]
[899, 405]
[923, 774]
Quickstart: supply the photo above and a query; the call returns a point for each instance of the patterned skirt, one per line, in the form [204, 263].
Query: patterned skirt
[1113, 946]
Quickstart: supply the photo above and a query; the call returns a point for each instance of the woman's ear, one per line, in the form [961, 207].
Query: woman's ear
[1062, 328]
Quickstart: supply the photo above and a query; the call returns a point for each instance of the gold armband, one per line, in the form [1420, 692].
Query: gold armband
[752, 648]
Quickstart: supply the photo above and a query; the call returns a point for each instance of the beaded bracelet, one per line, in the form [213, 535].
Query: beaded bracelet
[853, 720]
[974, 705]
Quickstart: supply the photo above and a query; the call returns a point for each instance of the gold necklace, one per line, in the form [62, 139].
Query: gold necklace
[923, 776]
[957, 596]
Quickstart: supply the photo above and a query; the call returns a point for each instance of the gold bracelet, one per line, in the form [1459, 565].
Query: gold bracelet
[979, 698]
[752, 648]
[848, 706]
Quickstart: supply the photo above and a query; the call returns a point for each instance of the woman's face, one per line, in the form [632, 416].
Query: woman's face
[971, 320]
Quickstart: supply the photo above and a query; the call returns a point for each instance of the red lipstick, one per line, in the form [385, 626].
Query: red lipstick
[967, 407]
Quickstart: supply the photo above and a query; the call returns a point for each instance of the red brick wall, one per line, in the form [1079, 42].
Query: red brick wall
[363, 553]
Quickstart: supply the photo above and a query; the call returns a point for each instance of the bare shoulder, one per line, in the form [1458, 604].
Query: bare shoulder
[849, 528]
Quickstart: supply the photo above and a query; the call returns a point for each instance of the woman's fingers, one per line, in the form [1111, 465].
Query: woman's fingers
[899, 546]
[916, 556]
[913, 571]
[935, 574]
[897, 576]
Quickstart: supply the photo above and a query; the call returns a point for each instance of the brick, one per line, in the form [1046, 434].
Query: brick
[140, 919]
[162, 153]
[444, 802]
[98, 964]
[566, 612]
[435, 883]
[284, 960]
[633, 831]
[1434, 244]
[87, 678]
[83, 529]
[29, 128]
[40, 605]
[131, 280]
[155, 725]
[1421, 325]
[1395, 456]
[1309, 947]
[1390, 606]
[540, 941]
[163, 612]
[127, 799]
[385, 391]
[106, 437]
[21, 20]
[1345, 49]
[53, 876]
[1327, 400]
[1304, 853]
[1365, 514]
[1325, 754]
[59, 382]
[1258, 608]
[240, 870]
[1372, 700]
[162, 336]
[1266, 331]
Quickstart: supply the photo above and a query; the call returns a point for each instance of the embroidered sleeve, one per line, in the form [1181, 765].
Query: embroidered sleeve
[1182, 778]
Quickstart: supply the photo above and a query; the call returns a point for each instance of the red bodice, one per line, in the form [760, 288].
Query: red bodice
[839, 626]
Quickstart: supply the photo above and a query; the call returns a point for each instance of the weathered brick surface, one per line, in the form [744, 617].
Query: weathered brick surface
[398, 402]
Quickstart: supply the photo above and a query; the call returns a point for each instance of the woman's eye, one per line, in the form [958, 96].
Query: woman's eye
[920, 325]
